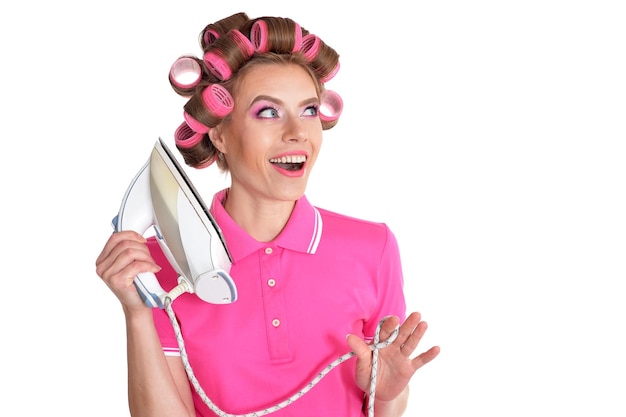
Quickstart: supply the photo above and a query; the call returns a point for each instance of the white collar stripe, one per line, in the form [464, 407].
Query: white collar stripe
[317, 233]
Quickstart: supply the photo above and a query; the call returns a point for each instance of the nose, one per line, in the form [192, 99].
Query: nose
[295, 130]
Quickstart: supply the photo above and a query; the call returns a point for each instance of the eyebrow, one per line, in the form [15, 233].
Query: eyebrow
[312, 100]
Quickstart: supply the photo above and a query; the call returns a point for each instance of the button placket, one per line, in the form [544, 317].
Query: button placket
[274, 306]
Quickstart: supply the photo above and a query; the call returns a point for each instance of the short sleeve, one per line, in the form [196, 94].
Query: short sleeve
[390, 286]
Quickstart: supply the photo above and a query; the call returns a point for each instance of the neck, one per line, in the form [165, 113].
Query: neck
[261, 219]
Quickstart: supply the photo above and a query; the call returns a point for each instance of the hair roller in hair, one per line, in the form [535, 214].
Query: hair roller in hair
[331, 106]
[214, 31]
[195, 125]
[186, 72]
[217, 100]
[310, 47]
[185, 137]
[210, 36]
[267, 38]
[323, 58]
[258, 36]
[228, 53]
[298, 39]
[217, 65]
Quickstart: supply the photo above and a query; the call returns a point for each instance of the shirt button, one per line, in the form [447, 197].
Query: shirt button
[268, 251]
[271, 282]
[275, 322]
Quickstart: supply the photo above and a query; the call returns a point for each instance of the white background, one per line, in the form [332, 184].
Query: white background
[488, 134]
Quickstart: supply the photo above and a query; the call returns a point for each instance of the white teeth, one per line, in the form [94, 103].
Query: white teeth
[289, 159]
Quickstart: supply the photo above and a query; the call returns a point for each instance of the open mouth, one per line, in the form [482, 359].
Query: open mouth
[289, 162]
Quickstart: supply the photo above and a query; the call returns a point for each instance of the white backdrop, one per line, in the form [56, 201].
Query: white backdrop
[489, 135]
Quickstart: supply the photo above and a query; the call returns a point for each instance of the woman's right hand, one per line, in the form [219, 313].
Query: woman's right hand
[124, 256]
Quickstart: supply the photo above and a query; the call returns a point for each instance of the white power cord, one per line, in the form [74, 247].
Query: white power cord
[375, 347]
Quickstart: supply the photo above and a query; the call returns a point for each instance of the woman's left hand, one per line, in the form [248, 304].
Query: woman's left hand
[395, 366]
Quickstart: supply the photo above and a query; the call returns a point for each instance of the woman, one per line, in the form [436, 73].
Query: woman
[305, 277]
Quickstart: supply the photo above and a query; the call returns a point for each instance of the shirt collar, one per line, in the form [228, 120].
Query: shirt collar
[302, 232]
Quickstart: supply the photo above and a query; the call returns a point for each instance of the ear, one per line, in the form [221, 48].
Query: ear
[216, 135]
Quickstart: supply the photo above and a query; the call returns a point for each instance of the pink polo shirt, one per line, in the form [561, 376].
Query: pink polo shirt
[325, 276]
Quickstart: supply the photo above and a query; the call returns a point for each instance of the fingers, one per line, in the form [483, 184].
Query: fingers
[124, 256]
[130, 244]
[404, 333]
[115, 239]
[425, 357]
[359, 347]
[411, 334]
[395, 359]
[409, 337]
[388, 327]
[363, 362]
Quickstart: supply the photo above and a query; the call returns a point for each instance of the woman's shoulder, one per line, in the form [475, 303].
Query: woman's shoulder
[347, 224]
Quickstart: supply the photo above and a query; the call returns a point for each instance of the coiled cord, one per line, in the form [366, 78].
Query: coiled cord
[374, 347]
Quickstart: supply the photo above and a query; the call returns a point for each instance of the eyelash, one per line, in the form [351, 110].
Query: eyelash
[264, 109]
[275, 111]
[315, 108]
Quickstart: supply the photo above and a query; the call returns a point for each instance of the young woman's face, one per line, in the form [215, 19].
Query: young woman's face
[274, 135]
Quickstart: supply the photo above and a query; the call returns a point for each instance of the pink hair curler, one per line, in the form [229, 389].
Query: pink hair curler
[331, 106]
[185, 137]
[258, 35]
[218, 100]
[216, 62]
[185, 72]
[310, 46]
[260, 39]
[210, 36]
[217, 65]
[195, 125]
[298, 43]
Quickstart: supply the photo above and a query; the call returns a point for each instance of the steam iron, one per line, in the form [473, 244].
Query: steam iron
[161, 196]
